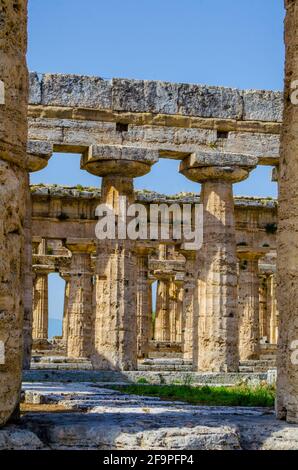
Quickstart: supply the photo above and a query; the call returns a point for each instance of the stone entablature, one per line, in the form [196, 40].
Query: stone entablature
[157, 97]
[82, 114]
[59, 212]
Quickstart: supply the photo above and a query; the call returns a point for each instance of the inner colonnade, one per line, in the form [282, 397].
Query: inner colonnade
[216, 305]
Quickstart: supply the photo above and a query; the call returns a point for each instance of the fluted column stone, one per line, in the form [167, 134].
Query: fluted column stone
[248, 302]
[79, 304]
[162, 317]
[144, 302]
[40, 305]
[190, 308]
[218, 315]
[115, 342]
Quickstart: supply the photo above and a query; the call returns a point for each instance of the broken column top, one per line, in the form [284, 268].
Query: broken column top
[157, 97]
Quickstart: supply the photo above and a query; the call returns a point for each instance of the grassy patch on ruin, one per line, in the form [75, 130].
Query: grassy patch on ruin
[238, 395]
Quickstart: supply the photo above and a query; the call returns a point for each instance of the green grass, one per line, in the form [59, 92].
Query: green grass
[238, 395]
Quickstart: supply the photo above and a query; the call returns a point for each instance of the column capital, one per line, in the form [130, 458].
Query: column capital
[40, 269]
[120, 160]
[38, 154]
[80, 245]
[205, 166]
[251, 253]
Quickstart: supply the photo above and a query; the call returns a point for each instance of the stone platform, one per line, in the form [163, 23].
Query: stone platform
[98, 418]
[154, 377]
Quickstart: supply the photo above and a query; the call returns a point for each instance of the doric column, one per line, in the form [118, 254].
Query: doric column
[162, 318]
[263, 305]
[175, 309]
[190, 308]
[179, 308]
[38, 153]
[79, 306]
[144, 303]
[116, 306]
[272, 309]
[28, 285]
[287, 240]
[218, 316]
[67, 279]
[150, 309]
[248, 302]
[13, 198]
[40, 304]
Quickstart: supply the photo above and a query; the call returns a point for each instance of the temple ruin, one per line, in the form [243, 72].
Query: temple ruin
[219, 309]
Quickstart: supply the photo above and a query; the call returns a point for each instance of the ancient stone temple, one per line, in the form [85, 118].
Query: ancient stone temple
[224, 307]
[173, 331]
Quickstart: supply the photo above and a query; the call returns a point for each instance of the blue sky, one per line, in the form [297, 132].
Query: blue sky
[237, 43]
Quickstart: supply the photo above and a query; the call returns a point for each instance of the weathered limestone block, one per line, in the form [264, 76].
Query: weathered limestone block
[262, 105]
[145, 96]
[287, 250]
[34, 88]
[76, 90]
[13, 197]
[248, 302]
[79, 305]
[218, 315]
[208, 101]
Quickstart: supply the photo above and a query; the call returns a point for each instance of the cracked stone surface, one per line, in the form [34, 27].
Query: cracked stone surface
[98, 418]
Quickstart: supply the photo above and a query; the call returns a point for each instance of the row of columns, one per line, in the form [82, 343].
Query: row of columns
[177, 304]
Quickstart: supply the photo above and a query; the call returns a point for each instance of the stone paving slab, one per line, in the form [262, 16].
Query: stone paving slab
[109, 419]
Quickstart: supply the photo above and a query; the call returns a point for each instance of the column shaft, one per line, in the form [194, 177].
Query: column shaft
[79, 306]
[248, 303]
[40, 307]
[218, 318]
[190, 310]
[162, 320]
[144, 312]
[116, 307]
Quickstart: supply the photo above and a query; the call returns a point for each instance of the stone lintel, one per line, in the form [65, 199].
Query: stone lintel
[54, 262]
[145, 96]
[167, 265]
